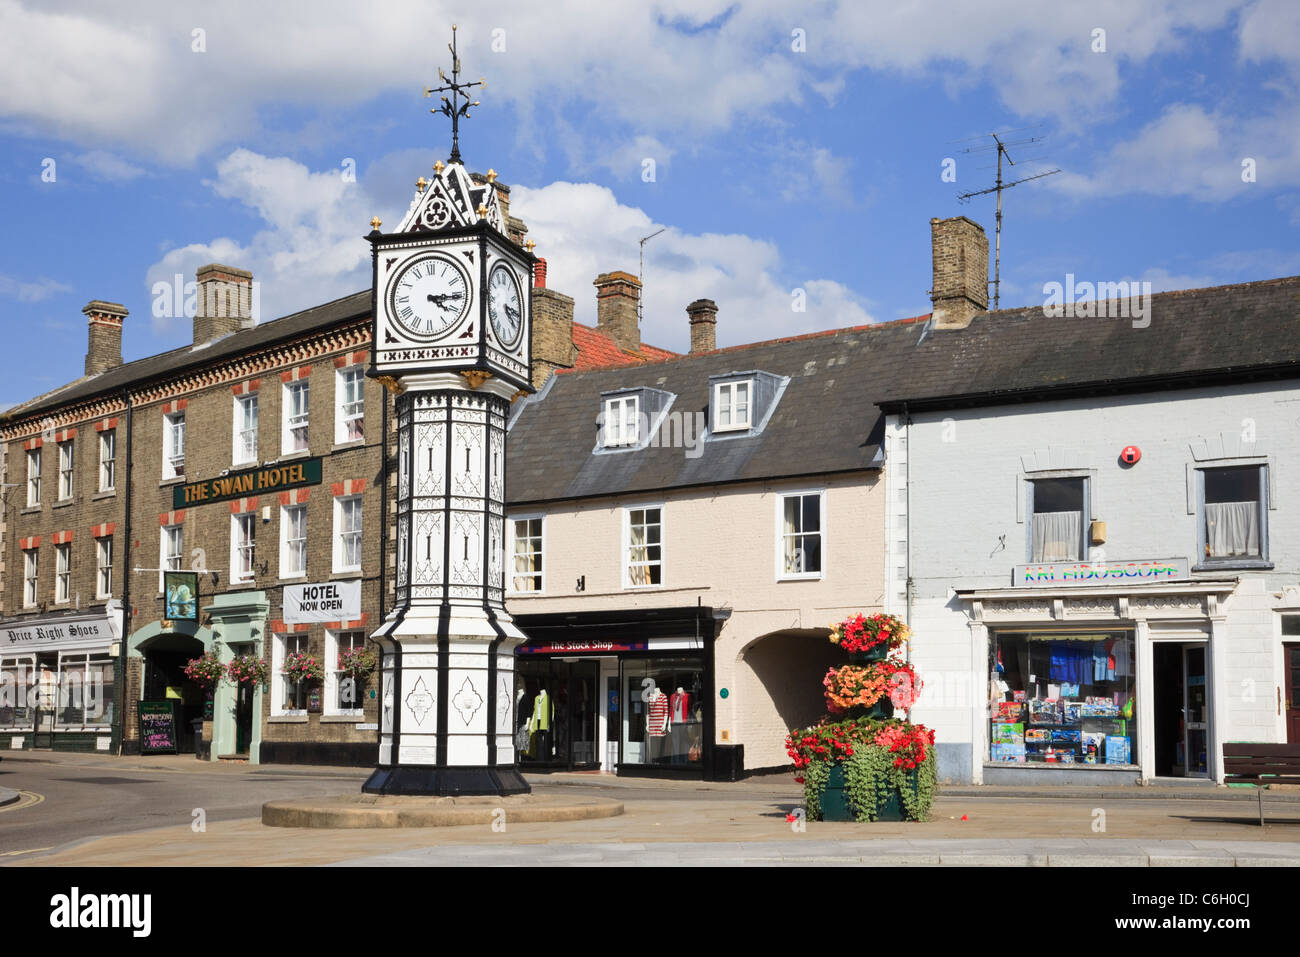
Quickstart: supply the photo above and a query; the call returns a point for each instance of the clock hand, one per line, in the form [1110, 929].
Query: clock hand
[512, 313]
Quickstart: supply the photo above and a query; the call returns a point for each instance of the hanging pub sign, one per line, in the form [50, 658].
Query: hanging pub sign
[269, 478]
[1101, 573]
[181, 595]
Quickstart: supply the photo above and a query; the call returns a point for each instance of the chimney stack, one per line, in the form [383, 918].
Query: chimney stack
[225, 300]
[618, 294]
[104, 349]
[960, 289]
[552, 328]
[703, 314]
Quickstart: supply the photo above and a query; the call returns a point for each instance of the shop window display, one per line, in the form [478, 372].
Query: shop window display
[663, 712]
[1062, 698]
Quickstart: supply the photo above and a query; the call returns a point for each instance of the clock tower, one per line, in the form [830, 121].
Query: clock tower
[452, 338]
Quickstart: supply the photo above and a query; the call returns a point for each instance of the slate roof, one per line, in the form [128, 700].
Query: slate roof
[168, 364]
[825, 422]
[598, 350]
[1218, 334]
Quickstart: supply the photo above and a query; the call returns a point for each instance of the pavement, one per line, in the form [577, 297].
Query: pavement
[698, 823]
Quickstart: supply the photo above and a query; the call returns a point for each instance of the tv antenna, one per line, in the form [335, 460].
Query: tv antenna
[998, 187]
[640, 299]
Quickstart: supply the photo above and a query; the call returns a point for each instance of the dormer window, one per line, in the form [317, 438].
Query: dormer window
[630, 418]
[732, 405]
[740, 403]
[620, 421]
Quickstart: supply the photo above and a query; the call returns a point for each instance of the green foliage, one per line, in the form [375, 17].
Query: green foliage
[815, 777]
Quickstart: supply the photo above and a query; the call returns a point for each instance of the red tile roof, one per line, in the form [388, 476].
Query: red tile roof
[596, 350]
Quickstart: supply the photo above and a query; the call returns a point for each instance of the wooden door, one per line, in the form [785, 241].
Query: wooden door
[1292, 703]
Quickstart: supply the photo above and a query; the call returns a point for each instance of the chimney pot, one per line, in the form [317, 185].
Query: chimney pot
[539, 274]
[960, 257]
[104, 346]
[225, 301]
[703, 315]
[618, 298]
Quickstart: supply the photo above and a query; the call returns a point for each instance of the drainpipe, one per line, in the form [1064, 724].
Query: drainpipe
[126, 580]
[907, 519]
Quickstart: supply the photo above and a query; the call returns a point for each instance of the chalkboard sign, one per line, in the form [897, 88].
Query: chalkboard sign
[157, 727]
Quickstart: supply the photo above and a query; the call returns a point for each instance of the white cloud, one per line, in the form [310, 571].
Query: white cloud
[127, 73]
[36, 291]
[582, 230]
[103, 165]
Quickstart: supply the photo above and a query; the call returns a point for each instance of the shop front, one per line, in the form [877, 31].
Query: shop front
[58, 681]
[1107, 681]
[627, 692]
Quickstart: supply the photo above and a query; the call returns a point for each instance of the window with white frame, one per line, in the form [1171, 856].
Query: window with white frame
[66, 458]
[85, 696]
[169, 551]
[63, 572]
[732, 405]
[1058, 509]
[104, 567]
[245, 450]
[297, 403]
[174, 445]
[619, 425]
[342, 692]
[33, 477]
[350, 406]
[31, 565]
[801, 532]
[289, 696]
[108, 460]
[643, 550]
[1234, 513]
[347, 533]
[526, 573]
[16, 675]
[293, 541]
[243, 532]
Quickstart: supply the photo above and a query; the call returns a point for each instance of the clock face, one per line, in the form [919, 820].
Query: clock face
[429, 296]
[504, 307]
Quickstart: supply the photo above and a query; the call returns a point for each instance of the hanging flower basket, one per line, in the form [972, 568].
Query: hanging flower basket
[206, 671]
[880, 686]
[358, 663]
[247, 669]
[300, 666]
[874, 635]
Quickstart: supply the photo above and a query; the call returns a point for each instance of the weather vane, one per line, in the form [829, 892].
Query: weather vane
[453, 107]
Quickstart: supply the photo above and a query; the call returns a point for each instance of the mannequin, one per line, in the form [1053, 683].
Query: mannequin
[658, 721]
[540, 725]
[679, 706]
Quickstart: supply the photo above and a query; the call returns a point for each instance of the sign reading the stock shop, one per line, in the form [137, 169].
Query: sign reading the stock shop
[330, 601]
[1101, 573]
[269, 478]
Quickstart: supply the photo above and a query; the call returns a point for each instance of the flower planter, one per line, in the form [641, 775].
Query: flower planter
[879, 653]
[835, 806]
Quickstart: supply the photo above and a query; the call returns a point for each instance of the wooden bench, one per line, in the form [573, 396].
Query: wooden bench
[1261, 765]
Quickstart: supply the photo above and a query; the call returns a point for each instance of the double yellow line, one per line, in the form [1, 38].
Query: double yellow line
[28, 799]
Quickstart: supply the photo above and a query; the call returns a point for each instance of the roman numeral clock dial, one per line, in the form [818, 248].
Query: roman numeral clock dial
[504, 306]
[429, 296]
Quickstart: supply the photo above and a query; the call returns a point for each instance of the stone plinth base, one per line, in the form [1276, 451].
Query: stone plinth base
[445, 782]
[377, 810]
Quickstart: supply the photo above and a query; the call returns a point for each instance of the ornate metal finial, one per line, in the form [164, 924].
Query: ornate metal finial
[420, 184]
[482, 210]
[438, 167]
[453, 107]
[376, 222]
[530, 245]
[491, 176]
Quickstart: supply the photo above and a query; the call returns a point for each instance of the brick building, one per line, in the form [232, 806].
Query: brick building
[254, 456]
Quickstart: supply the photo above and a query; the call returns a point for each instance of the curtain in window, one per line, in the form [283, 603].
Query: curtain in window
[1232, 528]
[638, 574]
[793, 555]
[1056, 536]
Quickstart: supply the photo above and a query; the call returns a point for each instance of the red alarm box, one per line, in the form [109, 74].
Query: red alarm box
[1131, 455]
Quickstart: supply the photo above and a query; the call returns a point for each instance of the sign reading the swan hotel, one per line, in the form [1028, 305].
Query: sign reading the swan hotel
[266, 478]
[1101, 573]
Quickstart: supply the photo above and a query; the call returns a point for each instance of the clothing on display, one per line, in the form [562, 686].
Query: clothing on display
[659, 719]
[679, 704]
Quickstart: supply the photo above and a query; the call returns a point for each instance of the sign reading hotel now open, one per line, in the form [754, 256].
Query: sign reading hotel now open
[270, 478]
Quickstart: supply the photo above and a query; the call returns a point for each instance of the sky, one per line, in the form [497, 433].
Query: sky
[793, 154]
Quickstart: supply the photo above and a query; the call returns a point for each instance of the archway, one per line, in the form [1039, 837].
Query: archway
[164, 653]
[780, 675]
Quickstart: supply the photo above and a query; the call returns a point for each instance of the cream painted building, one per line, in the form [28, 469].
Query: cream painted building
[680, 536]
